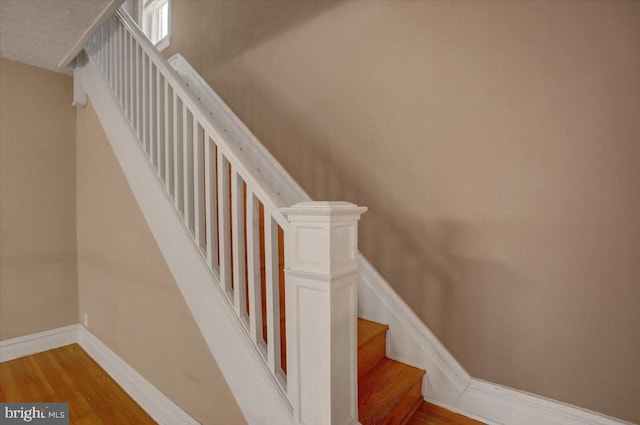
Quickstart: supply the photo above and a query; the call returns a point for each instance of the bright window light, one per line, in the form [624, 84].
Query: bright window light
[163, 23]
[156, 22]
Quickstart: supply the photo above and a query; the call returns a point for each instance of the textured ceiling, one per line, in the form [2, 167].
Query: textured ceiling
[42, 32]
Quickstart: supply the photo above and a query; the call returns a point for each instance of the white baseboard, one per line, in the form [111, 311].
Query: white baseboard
[495, 404]
[154, 402]
[15, 348]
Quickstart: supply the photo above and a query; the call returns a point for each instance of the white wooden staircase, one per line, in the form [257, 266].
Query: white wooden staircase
[273, 279]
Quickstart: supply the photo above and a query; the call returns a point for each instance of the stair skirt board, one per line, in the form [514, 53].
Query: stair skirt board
[157, 405]
[495, 404]
[254, 388]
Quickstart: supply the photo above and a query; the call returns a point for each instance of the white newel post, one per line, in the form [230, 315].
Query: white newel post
[321, 312]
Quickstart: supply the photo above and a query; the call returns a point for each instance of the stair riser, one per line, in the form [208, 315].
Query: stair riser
[371, 353]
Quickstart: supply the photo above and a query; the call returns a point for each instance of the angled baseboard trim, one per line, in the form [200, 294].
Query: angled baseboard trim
[15, 348]
[161, 408]
[152, 401]
[409, 340]
[495, 404]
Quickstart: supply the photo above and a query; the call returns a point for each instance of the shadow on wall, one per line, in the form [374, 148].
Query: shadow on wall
[425, 258]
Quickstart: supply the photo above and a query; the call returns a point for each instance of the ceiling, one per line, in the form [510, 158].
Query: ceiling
[43, 32]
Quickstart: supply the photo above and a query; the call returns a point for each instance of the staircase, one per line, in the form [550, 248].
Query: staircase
[389, 392]
[270, 277]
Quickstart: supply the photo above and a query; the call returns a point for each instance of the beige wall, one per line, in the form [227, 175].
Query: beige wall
[38, 285]
[496, 145]
[126, 289]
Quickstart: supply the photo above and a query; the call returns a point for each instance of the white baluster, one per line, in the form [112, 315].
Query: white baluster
[272, 295]
[168, 132]
[212, 202]
[253, 266]
[178, 173]
[198, 184]
[160, 142]
[109, 59]
[144, 100]
[112, 53]
[237, 220]
[153, 125]
[130, 82]
[120, 62]
[187, 144]
[116, 59]
[136, 94]
[224, 223]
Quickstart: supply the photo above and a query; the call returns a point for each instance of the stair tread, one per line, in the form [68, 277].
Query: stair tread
[384, 388]
[368, 330]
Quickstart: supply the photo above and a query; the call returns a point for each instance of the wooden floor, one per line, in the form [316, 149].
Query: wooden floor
[429, 414]
[68, 374]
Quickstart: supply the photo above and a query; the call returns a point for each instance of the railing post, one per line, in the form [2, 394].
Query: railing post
[321, 249]
[79, 94]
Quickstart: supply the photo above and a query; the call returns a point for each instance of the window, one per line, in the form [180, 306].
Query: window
[156, 22]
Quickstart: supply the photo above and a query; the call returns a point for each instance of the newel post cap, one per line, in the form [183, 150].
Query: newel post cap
[323, 209]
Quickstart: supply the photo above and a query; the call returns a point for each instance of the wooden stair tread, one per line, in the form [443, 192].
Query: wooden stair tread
[384, 391]
[368, 330]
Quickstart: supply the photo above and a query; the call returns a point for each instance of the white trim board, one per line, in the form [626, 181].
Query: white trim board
[157, 405]
[495, 404]
[160, 407]
[409, 340]
[15, 348]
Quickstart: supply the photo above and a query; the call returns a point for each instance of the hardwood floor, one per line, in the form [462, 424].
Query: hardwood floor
[68, 374]
[430, 414]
